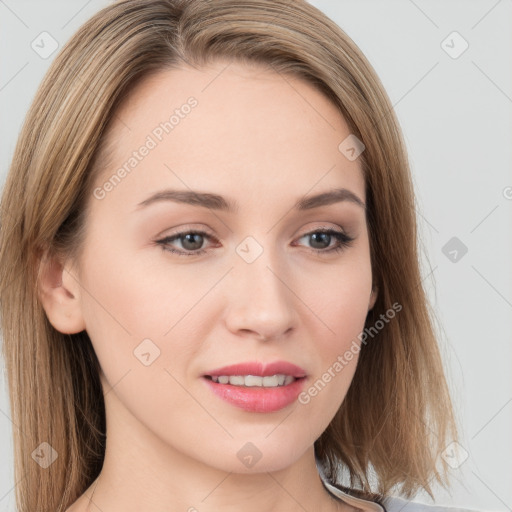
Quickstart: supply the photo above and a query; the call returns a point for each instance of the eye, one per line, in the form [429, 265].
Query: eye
[191, 242]
[321, 240]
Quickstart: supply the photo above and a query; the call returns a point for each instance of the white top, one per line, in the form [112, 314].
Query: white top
[351, 500]
[391, 503]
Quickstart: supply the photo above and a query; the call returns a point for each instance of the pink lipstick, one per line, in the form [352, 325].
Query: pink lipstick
[256, 386]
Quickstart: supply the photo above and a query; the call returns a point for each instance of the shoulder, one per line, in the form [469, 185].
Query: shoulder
[395, 504]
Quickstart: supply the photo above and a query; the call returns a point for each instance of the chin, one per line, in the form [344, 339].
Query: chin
[259, 453]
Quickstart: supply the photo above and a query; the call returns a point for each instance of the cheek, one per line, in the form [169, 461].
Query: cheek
[343, 312]
[340, 302]
[339, 296]
[141, 309]
[133, 320]
[139, 294]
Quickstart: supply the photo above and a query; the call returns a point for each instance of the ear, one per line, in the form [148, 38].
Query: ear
[59, 292]
[373, 298]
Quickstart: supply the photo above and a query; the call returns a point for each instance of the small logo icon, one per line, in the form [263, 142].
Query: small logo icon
[44, 45]
[351, 147]
[44, 455]
[249, 454]
[146, 352]
[249, 249]
[454, 455]
[454, 249]
[454, 45]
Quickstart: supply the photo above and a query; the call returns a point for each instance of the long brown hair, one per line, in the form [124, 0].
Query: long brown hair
[397, 416]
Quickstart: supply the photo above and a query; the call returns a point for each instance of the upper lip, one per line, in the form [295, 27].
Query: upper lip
[260, 369]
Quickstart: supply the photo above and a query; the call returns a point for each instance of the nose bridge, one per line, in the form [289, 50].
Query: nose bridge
[261, 301]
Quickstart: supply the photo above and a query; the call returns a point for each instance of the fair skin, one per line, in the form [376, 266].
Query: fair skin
[172, 444]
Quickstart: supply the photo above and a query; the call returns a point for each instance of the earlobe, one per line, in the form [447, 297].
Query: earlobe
[59, 293]
[373, 298]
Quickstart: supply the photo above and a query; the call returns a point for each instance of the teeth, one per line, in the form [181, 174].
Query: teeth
[270, 381]
[254, 380]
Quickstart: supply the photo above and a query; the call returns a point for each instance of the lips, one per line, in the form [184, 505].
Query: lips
[260, 369]
[257, 387]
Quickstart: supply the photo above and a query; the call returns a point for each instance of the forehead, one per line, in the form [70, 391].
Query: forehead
[226, 125]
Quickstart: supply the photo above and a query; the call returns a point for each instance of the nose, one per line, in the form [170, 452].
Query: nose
[261, 302]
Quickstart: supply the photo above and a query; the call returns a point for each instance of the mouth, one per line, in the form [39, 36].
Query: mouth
[257, 387]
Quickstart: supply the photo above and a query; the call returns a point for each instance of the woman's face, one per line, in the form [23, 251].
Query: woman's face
[260, 285]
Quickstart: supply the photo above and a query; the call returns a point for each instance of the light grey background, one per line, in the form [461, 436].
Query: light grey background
[457, 123]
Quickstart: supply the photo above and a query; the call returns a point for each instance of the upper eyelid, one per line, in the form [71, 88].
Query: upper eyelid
[201, 230]
[189, 228]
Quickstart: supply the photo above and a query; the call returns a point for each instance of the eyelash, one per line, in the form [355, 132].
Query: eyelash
[344, 241]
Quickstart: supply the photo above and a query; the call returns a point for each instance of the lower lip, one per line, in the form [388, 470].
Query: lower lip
[258, 399]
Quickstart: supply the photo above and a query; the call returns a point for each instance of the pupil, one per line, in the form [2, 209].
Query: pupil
[324, 237]
[190, 238]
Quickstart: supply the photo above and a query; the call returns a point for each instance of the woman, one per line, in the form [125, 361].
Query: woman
[288, 361]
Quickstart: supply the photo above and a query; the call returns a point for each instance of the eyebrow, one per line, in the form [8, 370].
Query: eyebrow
[217, 202]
